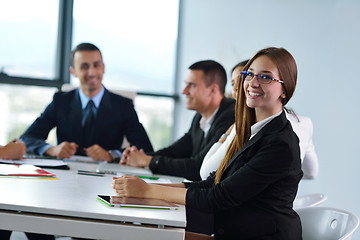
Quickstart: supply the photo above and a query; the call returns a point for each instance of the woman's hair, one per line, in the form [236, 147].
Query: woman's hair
[240, 64]
[292, 112]
[245, 116]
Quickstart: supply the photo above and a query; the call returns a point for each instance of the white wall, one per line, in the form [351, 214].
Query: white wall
[324, 38]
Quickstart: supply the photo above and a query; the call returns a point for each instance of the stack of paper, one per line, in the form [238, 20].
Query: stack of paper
[24, 170]
[44, 163]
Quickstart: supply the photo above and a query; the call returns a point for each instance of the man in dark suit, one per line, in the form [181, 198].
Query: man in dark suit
[90, 120]
[205, 87]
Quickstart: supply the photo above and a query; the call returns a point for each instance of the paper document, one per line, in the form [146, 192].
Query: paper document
[39, 162]
[23, 170]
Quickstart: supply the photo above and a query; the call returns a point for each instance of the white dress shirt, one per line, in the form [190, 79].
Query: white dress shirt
[205, 124]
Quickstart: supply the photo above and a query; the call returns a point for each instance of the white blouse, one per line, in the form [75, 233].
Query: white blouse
[215, 155]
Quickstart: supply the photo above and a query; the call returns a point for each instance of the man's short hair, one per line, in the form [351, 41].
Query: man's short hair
[214, 73]
[82, 47]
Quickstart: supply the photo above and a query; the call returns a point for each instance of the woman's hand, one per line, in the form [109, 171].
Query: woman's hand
[13, 150]
[130, 186]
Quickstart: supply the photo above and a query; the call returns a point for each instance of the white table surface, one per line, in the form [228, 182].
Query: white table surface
[74, 195]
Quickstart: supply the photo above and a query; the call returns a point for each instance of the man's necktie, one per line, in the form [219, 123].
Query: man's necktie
[88, 123]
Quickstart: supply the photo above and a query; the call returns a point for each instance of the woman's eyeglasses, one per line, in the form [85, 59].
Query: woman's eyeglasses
[262, 78]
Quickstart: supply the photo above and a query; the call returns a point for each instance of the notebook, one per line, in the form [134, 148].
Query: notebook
[114, 168]
[116, 201]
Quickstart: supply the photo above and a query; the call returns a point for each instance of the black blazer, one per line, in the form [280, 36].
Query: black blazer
[254, 198]
[184, 157]
[116, 118]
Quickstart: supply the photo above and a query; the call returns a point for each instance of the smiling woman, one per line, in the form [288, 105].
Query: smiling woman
[251, 194]
[263, 92]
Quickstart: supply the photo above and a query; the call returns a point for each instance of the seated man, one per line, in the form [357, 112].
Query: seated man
[205, 87]
[90, 120]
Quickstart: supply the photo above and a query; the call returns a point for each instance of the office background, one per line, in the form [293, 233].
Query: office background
[322, 35]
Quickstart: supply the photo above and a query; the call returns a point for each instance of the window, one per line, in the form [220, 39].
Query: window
[137, 39]
[155, 113]
[20, 106]
[28, 38]
[138, 42]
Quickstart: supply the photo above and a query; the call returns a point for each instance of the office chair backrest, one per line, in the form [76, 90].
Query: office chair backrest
[310, 200]
[324, 223]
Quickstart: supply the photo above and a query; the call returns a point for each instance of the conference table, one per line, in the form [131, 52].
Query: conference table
[68, 206]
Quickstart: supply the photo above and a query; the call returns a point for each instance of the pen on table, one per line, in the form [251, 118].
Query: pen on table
[91, 173]
[151, 178]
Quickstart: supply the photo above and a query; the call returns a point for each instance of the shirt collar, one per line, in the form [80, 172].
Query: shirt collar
[259, 125]
[205, 124]
[96, 99]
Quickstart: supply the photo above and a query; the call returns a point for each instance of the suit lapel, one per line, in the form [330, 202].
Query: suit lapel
[224, 104]
[273, 126]
[247, 145]
[103, 112]
[198, 135]
[75, 117]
